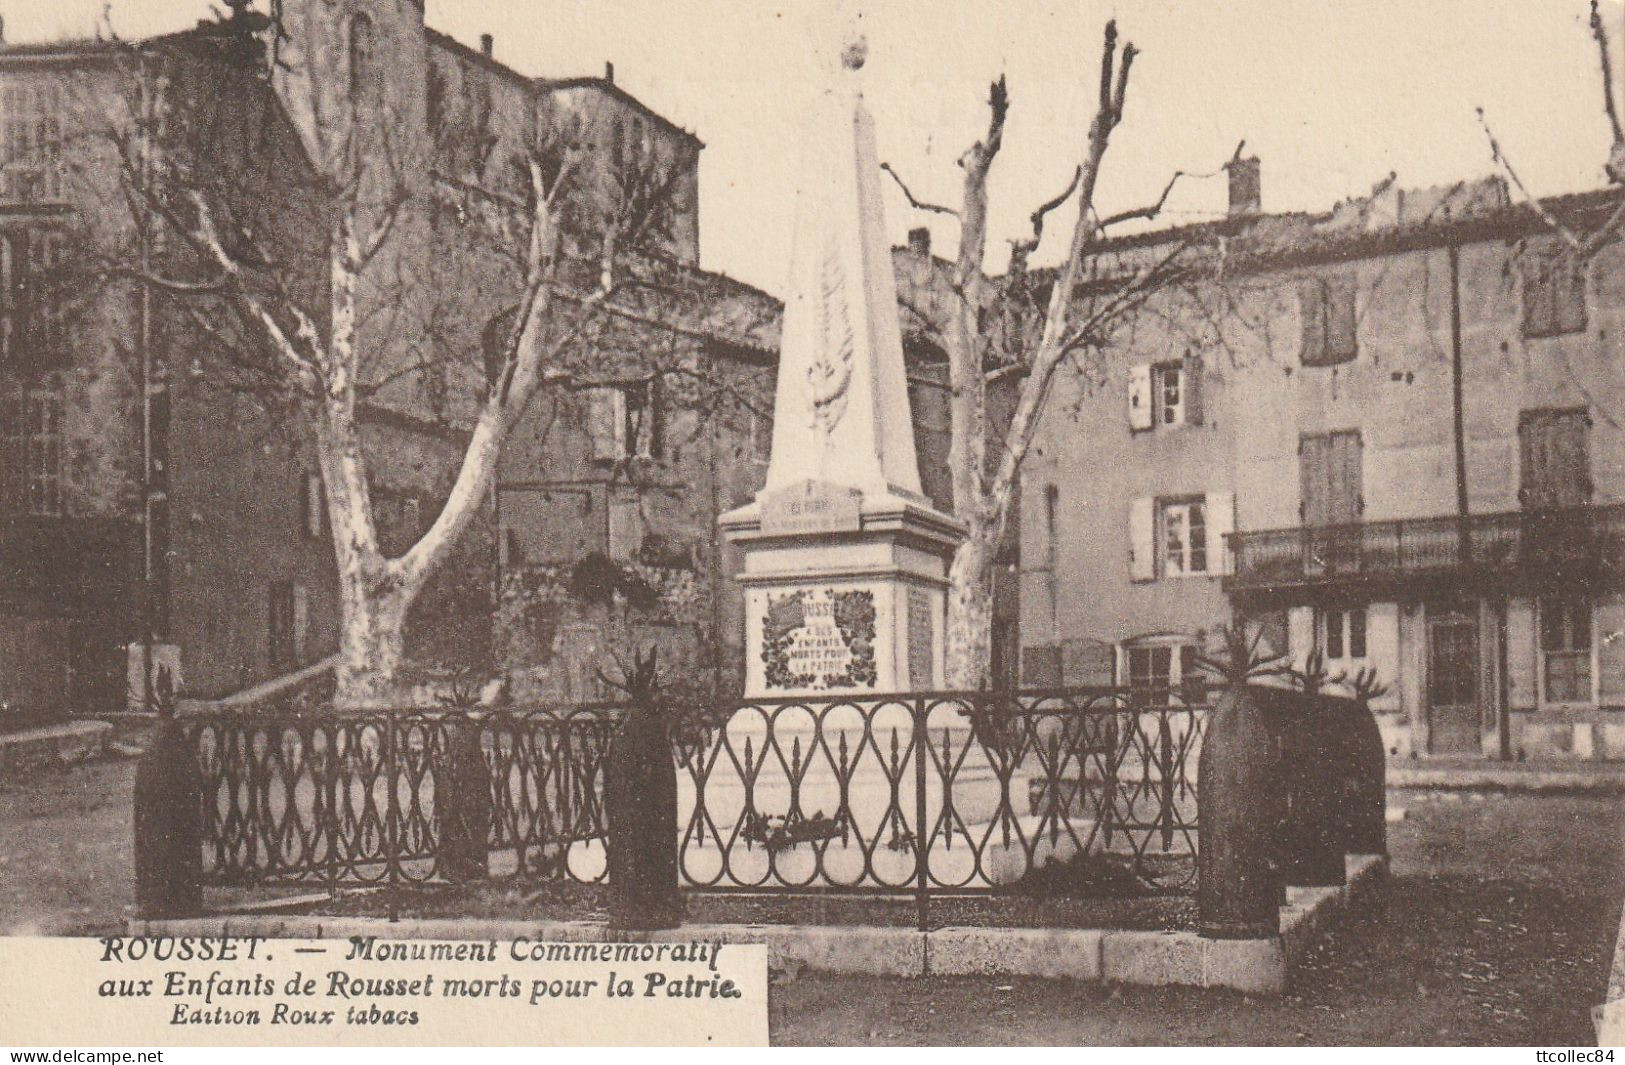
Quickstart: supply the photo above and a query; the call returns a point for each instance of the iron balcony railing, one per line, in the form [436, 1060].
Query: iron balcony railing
[1588, 540]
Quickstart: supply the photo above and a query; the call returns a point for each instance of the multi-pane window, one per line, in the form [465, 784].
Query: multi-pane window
[1342, 634]
[1554, 290]
[1184, 538]
[1327, 308]
[30, 142]
[31, 420]
[1159, 664]
[32, 320]
[1565, 645]
[1168, 384]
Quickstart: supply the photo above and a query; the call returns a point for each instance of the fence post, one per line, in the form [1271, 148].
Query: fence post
[1237, 891]
[640, 799]
[168, 826]
[392, 822]
[922, 835]
[463, 801]
[1314, 735]
[1366, 807]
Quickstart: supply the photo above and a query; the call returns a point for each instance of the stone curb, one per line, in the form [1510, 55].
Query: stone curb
[1256, 966]
[52, 747]
[1521, 781]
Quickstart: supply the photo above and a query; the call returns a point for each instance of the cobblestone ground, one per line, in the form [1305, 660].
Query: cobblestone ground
[1497, 929]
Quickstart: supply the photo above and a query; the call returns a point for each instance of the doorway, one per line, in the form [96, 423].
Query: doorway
[1452, 682]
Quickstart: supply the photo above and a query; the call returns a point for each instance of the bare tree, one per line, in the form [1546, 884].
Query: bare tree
[1025, 326]
[284, 209]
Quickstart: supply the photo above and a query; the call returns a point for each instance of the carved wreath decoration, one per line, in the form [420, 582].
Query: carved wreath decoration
[854, 619]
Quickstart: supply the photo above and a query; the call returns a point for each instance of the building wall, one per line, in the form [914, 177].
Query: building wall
[1080, 596]
[1261, 400]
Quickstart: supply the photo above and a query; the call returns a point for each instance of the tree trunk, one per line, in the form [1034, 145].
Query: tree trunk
[372, 641]
[969, 634]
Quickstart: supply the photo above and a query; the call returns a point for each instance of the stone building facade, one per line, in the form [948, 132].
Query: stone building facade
[126, 457]
[1389, 434]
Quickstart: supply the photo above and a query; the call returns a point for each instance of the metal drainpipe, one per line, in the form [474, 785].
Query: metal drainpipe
[149, 606]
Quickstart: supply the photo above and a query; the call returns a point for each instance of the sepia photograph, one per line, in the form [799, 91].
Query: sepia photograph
[824, 522]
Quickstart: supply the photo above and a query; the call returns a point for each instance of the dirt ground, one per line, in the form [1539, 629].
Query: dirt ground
[1497, 929]
[65, 857]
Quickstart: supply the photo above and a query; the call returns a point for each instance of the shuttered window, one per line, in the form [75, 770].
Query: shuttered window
[1327, 307]
[1330, 474]
[1554, 458]
[1554, 290]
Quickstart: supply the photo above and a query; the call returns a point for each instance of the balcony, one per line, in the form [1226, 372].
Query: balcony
[1517, 548]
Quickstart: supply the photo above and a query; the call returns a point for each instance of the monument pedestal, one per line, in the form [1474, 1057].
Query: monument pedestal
[844, 594]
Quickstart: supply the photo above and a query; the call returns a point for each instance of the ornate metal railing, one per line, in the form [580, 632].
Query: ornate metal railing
[947, 793]
[1086, 789]
[1547, 540]
[323, 798]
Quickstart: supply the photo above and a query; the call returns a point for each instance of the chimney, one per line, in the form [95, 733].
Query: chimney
[919, 242]
[487, 45]
[609, 72]
[1245, 185]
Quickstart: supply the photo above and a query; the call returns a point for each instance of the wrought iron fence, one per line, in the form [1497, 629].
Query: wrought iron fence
[923, 794]
[1091, 788]
[323, 798]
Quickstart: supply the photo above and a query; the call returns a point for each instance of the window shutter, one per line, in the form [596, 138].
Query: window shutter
[1313, 475]
[1139, 396]
[1193, 388]
[1569, 293]
[1312, 312]
[606, 423]
[1341, 321]
[1221, 521]
[314, 506]
[1300, 634]
[1608, 630]
[1142, 539]
[1521, 692]
[301, 621]
[1539, 310]
[656, 417]
[1382, 651]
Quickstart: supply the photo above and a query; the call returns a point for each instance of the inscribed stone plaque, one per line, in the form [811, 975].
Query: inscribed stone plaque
[921, 633]
[811, 507]
[819, 638]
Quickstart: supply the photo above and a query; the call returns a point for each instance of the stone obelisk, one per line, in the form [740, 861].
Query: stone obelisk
[845, 559]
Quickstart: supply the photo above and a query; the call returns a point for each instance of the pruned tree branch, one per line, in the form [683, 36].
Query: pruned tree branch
[1616, 153]
[917, 204]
